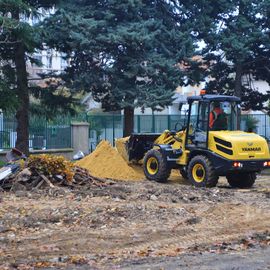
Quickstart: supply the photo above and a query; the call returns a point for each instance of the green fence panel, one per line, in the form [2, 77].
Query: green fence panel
[56, 133]
[110, 127]
[8, 135]
[37, 132]
[104, 127]
[43, 133]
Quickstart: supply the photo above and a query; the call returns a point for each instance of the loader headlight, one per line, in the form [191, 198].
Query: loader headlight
[237, 165]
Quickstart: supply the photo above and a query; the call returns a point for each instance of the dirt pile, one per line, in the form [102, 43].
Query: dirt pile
[107, 162]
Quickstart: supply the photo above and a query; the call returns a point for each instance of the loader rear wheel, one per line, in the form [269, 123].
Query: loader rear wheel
[155, 166]
[201, 173]
[241, 179]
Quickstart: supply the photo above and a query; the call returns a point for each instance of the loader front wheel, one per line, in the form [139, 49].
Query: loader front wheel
[155, 166]
[241, 179]
[201, 173]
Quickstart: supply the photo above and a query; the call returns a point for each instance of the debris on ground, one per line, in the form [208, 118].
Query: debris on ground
[107, 162]
[60, 215]
[51, 171]
[256, 240]
[103, 227]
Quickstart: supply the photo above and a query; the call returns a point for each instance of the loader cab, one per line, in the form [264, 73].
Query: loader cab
[210, 113]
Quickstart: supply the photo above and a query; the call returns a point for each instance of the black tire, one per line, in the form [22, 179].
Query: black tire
[201, 172]
[241, 179]
[155, 166]
[184, 173]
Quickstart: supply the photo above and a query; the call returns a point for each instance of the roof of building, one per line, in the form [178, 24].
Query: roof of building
[213, 98]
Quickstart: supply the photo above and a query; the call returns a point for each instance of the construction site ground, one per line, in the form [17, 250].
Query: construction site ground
[137, 225]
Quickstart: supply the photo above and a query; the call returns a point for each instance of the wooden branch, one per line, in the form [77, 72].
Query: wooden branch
[10, 42]
[47, 180]
[39, 184]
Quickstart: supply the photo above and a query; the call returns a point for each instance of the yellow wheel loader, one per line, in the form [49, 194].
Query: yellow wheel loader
[207, 146]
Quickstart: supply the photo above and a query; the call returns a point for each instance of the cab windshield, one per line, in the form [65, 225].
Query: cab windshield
[213, 116]
[223, 116]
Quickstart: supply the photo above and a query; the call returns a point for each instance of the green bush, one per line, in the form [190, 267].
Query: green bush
[2, 163]
[251, 123]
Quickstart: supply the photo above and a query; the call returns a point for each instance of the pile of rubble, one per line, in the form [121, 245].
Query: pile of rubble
[43, 171]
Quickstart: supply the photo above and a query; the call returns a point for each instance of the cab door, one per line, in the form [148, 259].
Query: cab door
[197, 130]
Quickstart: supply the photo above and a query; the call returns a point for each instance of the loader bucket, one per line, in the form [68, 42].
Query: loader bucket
[133, 148]
[121, 146]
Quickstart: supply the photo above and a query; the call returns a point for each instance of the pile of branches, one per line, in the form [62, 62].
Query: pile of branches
[43, 171]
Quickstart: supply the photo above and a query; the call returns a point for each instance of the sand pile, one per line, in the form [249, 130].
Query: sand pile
[106, 162]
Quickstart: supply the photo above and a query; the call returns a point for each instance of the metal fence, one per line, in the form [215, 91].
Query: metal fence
[56, 133]
[43, 133]
[110, 127]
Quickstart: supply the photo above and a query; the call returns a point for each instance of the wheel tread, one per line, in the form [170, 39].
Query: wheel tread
[163, 172]
[212, 178]
[241, 180]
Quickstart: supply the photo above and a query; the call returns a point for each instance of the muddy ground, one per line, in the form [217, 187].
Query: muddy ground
[137, 225]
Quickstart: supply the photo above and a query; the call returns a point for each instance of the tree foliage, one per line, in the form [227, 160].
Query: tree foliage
[19, 39]
[237, 46]
[125, 53]
[128, 53]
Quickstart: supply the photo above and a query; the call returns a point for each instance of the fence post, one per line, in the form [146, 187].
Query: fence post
[105, 126]
[153, 122]
[46, 132]
[265, 125]
[122, 124]
[113, 128]
[139, 123]
[169, 122]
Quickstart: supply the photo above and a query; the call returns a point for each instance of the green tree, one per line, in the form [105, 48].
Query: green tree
[237, 50]
[126, 53]
[19, 39]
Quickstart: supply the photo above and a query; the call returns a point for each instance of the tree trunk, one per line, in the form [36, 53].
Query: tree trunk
[22, 114]
[128, 121]
[238, 80]
[238, 89]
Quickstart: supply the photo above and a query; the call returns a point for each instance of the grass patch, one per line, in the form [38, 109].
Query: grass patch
[2, 163]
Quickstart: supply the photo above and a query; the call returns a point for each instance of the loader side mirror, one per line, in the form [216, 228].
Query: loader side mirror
[179, 127]
[185, 119]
